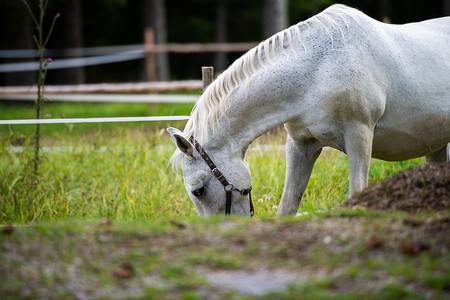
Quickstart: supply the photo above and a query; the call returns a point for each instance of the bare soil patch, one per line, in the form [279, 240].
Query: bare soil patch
[419, 189]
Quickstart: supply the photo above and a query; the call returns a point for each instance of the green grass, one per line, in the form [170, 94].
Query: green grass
[122, 177]
[123, 174]
[84, 110]
[328, 185]
[120, 171]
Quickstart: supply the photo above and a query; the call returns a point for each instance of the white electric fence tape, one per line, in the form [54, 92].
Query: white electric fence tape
[90, 51]
[107, 98]
[74, 62]
[93, 120]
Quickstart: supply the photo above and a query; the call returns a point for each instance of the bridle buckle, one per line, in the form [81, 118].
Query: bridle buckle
[217, 173]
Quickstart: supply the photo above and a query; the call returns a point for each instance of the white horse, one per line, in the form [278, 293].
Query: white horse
[338, 79]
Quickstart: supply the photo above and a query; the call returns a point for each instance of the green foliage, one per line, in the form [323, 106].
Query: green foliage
[392, 291]
[41, 40]
[18, 133]
[123, 178]
[123, 174]
[120, 170]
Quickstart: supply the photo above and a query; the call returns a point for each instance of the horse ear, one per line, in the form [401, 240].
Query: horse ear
[182, 143]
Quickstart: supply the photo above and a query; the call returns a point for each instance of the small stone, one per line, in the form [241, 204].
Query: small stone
[374, 243]
[105, 222]
[124, 271]
[8, 229]
[413, 247]
[178, 224]
[327, 240]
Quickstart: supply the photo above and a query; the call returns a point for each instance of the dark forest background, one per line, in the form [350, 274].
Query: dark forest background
[93, 23]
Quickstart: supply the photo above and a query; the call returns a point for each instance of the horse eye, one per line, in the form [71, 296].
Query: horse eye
[198, 192]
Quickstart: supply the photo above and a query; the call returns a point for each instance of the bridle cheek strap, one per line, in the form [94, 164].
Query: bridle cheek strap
[228, 201]
[228, 187]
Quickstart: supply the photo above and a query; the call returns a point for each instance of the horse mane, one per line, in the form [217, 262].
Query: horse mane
[216, 98]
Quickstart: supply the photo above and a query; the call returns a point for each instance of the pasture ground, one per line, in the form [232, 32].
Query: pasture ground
[347, 254]
[63, 244]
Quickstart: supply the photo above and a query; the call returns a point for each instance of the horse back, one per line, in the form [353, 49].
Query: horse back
[398, 73]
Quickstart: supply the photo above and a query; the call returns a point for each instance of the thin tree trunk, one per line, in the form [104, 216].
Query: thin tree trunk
[72, 23]
[446, 8]
[314, 7]
[17, 35]
[154, 15]
[220, 58]
[385, 10]
[275, 16]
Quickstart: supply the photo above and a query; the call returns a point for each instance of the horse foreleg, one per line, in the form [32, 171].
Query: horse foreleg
[442, 155]
[300, 158]
[358, 146]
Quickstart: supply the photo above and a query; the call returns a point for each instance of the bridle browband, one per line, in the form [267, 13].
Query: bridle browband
[228, 187]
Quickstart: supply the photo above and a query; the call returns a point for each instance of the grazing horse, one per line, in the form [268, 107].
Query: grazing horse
[339, 79]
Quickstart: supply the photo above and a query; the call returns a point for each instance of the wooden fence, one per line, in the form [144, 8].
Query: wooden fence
[139, 87]
[107, 55]
[207, 78]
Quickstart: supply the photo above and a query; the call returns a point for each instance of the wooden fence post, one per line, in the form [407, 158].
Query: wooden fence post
[149, 40]
[207, 76]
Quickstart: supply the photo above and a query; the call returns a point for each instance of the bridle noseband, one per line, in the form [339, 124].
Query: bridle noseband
[228, 187]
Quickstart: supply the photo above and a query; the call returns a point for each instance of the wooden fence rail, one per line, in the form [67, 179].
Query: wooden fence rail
[139, 87]
[107, 98]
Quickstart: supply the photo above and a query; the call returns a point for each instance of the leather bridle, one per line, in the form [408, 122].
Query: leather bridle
[228, 187]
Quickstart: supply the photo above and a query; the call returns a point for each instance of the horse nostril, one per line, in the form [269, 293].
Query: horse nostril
[198, 192]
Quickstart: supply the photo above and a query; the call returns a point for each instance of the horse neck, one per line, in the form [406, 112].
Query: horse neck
[277, 91]
[255, 109]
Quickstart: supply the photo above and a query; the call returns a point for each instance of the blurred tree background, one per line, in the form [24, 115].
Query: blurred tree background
[93, 23]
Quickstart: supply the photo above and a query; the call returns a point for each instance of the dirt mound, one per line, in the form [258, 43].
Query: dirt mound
[423, 188]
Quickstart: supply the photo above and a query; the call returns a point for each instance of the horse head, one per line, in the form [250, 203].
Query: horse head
[216, 184]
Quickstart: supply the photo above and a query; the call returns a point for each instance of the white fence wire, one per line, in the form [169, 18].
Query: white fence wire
[90, 51]
[93, 120]
[74, 62]
[106, 98]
